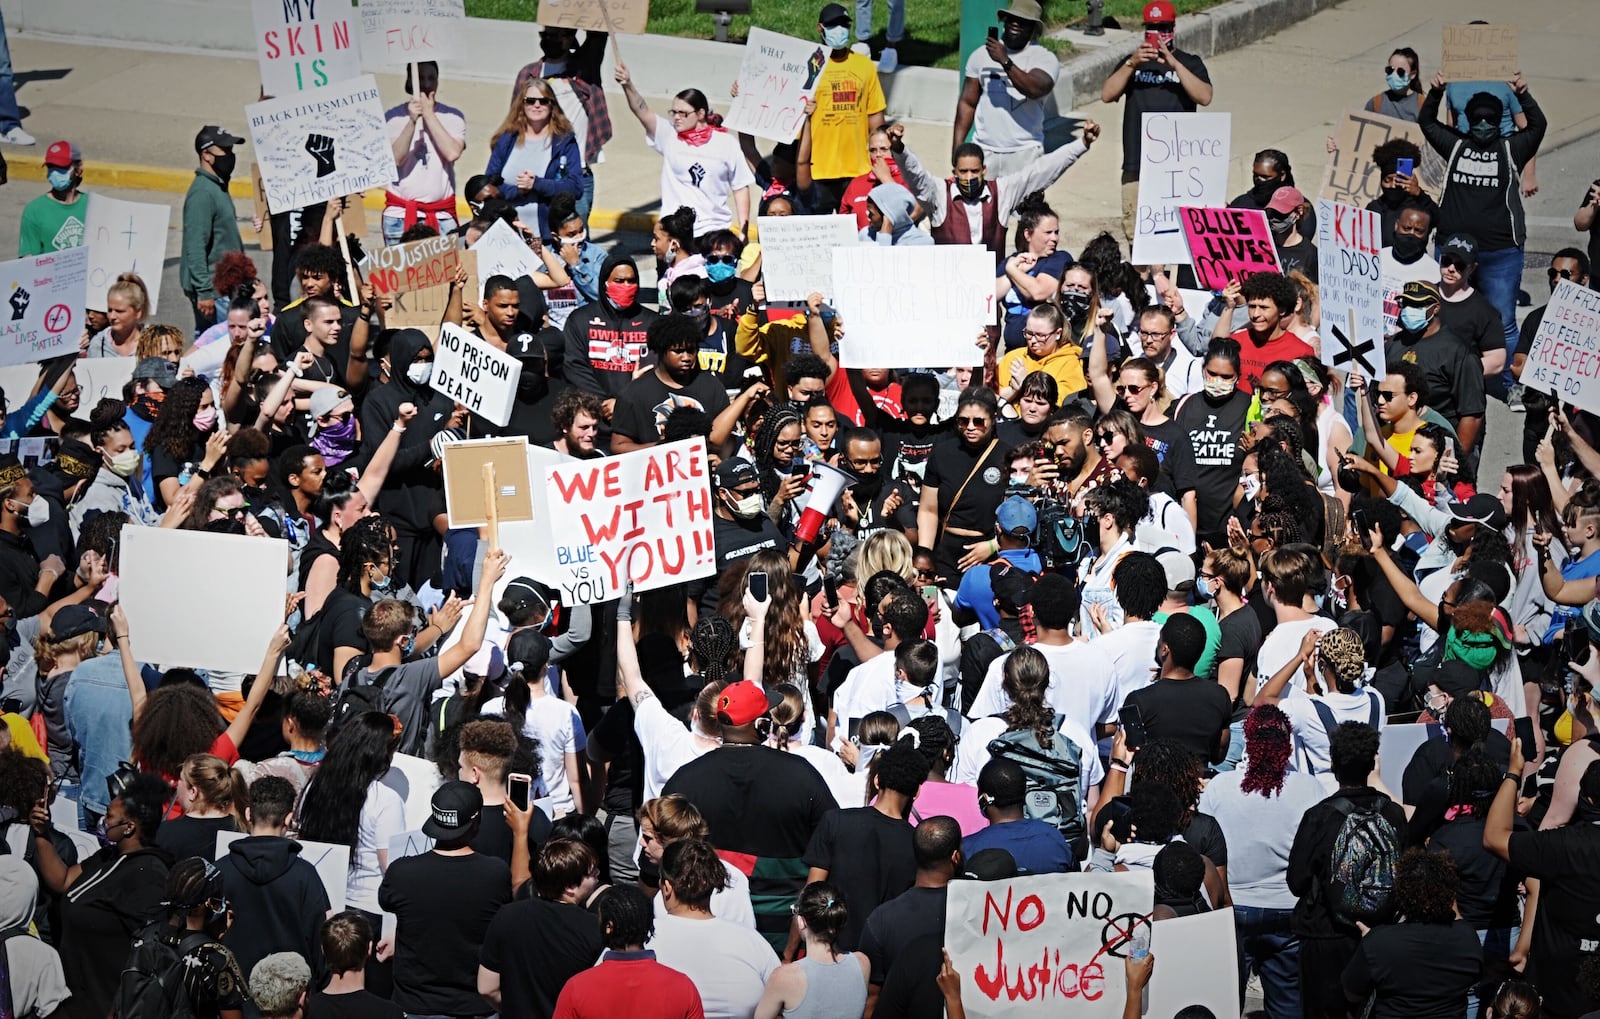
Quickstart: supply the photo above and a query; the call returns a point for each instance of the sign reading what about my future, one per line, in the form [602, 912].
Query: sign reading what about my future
[1564, 360]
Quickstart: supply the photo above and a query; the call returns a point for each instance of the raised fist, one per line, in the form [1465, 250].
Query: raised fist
[321, 148]
[19, 303]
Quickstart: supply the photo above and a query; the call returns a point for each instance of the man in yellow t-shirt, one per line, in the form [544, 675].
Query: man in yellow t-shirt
[850, 106]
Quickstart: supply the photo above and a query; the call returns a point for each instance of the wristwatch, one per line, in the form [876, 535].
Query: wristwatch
[1008, 65]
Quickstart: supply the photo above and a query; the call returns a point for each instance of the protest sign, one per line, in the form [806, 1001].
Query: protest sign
[214, 620]
[322, 143]
[1183, 161]
[463, 480]
[1398, 741]
[1046, 944]
[474, 374]
[917, 307]
[502, 251]
[777, 75]
[409, 843]
[415, 779]
[43, 313]
[644, 515]
[97, 378]
[424, 307]
[797, 253]
[427, 265]
[1350, 288]
[1479, 53]
[395, 32]
[38, 451]
[332, 861]
[304, 44]
[1199, 965]
[125, 237]
[626, 16]
[1228, 245]
[1351, 176]
[1564, 360]
[258, 199]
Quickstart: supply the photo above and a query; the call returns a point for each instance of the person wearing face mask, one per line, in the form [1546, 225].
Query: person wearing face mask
[55, 220]
[198, 917]
[1406, 260]
[25, 583]
[1466, 312]
[115, 485]
[184, 445]
[1454, 375]
[1003, 91]
[210, 225]
[583, 257]
[1398, 191]
[1205, 458]
[1293, 232]
[1269, 174]
[849, 107]
[1402, 80]
[1567, 264]
[692, 297]
[605, 341]
[740, 526]
[335, 433]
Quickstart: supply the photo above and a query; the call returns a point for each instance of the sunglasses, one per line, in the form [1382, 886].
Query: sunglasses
[1386, 395]
[722, 259]
[1124, 390]
[235, 512]
[1403, 72]
[1453, 262]
[1555, 274]
[536, 101]
[972, 422]
[1105, 438]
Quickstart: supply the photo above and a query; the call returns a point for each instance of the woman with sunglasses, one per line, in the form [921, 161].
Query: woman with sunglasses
[962, 484]
[1049, 351]
[1141, 390]
[1114, 433]
[536, 154]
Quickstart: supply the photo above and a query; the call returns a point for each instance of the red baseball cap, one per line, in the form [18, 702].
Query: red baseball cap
[743, 702]
[1286, 199]
[61, 154]
[1159, 12]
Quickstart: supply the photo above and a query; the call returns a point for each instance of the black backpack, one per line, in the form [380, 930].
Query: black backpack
[356, 697]
[151, 986]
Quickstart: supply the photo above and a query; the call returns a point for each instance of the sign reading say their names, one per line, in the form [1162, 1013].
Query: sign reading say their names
[304, 44]
[1350, 288]
[1183, 161]
[1479, 53]
[644, 515]
[402, 31]
[626, 16]
[1564, 360]
[1351, 176]
[322, 143]
[474, 374]
[126, 237]
[797, 253]
[776, 76]
[1228, 245]
[919, 307]
[1046, 945]
[44, 301]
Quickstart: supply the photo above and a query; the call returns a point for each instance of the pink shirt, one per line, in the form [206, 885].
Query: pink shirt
[424, 176]
[953, 799]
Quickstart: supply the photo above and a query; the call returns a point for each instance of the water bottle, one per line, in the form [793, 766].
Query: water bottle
[1139, 950]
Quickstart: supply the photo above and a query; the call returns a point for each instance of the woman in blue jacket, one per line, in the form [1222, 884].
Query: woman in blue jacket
[536, 154]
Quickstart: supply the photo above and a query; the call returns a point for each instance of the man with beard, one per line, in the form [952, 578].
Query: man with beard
[1399, 191]
[675, 381]
[876, 501]
[1004, 88]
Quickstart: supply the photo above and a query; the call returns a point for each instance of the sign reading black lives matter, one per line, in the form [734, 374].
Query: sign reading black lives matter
[321, 143]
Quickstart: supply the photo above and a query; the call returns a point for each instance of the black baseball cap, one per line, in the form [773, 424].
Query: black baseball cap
[834, 14]
[211, 135]
[454, 809]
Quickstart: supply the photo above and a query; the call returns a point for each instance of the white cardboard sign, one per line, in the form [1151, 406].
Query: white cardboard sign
[502, 252]
[1350, 288]
[304, 44]
[331, 860]
[322, 143]
[920, 307]
[43, 314]
[797, 253]
[474, 374]
[1196, 964]
[1564, 360]
[1183, 161]
[126, 237]
[97, 377]
[776, 76]
[395, 32]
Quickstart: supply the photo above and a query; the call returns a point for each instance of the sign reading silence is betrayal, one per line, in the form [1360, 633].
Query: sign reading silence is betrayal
[1228, 245]
[44, 300]
[303, 44]
[776, 76]
[1564, 360]
[1183, 161]
[322, 143]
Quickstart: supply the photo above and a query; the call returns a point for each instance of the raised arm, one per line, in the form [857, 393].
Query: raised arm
[130, 668]
[966, 110]
[494, 567]
[636, 103]
[1426, 612]
[1105, 393]
[258, 689]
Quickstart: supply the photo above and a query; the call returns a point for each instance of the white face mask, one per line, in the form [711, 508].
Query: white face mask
[419, 372]
[747, 508]
[38, 511]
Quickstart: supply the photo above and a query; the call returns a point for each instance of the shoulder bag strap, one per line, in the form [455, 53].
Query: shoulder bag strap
[970, 475]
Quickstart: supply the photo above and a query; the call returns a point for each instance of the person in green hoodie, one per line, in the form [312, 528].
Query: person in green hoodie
[210, 224]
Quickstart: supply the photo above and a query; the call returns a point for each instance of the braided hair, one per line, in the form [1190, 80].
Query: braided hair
[713, 642]
[626, 916]
[936, 742]
[777, 419]
[367, 541]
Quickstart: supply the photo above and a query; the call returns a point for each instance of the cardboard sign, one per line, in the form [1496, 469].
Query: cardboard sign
[1046, 945]
[1196, 964]
[125, 237]
[424, 307]
[1564, 360]
[626, 16]
[777, 75]
[917, 307]
[1479, 53]
[322, 143]
[1228, 245]
[797, 253]
[463, 480]
[1350, 288]
[644, 515]
[474, 374]
[214, 620]
[43, 313]
[1351, 176]
[415, 780]
[501, 251]
[1183, 161]
[416, 277]
[331, 860]
[395, 32]
[258, 199]
[304, 44]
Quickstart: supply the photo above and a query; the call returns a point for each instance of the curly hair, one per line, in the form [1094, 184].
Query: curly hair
[572, 402]
[936, 741]
[1268, 742]
[153, 337]
[24, 781]
[219, 487]
[1474, 780]
[900, 769]
[626, 917]
[1425, 886]
[233, 269]
[1171, 764]
[360, 753]
[366, 542]
[173, 431]
[1025, 678]
[1343, 657]
[179, 720]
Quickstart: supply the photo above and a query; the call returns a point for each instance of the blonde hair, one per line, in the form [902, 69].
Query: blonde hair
[130, 288]
[151, 337]
[674, 818]
[887, 550]
[516, 120]
[47, 652]
[219, 785]
[1310, 297]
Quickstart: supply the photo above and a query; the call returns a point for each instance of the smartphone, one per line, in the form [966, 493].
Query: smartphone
[799, 468]
[830, 592]
[1575, 643]
[1132, 721]
[758, 585]
[994, 31]
[519, 790]
[1404, 167]
[1152, 39]
[930, 593]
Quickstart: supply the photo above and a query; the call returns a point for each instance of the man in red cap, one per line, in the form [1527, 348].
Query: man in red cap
[55, 220]
[1156, 79]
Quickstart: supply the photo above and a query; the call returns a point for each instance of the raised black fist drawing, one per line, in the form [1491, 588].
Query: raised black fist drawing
[19, 303]
[321, 148]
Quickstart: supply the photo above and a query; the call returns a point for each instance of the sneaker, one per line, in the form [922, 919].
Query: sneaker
[1514, 399]
[862, 48]
[17, 136]
[889, 61]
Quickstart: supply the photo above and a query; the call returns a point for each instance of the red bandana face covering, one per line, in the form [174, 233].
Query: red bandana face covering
[697, 136]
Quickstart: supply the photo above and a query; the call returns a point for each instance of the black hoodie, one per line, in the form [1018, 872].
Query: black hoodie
[277, 898]
[604, 343]
[411, 491]
[1482, 185]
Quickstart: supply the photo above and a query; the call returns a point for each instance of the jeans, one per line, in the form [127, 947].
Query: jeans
[1497, 944]
[394, 224]
[10, 115]
[897, 20]
[1267, 946]
[1499, 275]
[1235, 747]
[586, 200]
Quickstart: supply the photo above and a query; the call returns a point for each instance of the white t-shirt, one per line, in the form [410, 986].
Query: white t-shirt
[1166, 526]
[849, 788]
[1083, 684]
[728, 964]
[973, 753]
[668, 745]
[1311, 754]
[424, 175]
[730, 903]
[383, 816]
[1132, 649]
[701, 176]
[869, 687]
[1183, 376]
[1282, 644]
[559, 731]
[1006, 120]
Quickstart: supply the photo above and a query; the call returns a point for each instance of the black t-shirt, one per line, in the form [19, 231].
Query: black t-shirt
[443, 906]
[289, 335]
[727, 305]
[642, 409]
[1420, 970]
[1566, 928]
[1388, 214]
[905, 451]
[1487, 893]
[184, 837]
[735, 541]
[524, 342]
[1302, 257]
[164, 465]
[494, 836]
[1475, 321]
[1154, 88]
[341, 618]
[911, 990]
[1015, 432]
[1160, 437]
[915, 913]
[536, 946]
[317, 546]
[1454, 373]
[868, 856]
[1191, 712]
[949, 466]
[352, 1005]
[1206, 458]
[1241, 638]
[625, 768]
[1205, 836]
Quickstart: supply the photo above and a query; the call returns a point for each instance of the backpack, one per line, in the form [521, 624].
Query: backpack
[357, 697]
[1360, 882]
[1053, 780]
[952, 717]
[151, 986]
[1060, 539]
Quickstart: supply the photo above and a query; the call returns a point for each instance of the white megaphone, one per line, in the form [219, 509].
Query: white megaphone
[827, 484]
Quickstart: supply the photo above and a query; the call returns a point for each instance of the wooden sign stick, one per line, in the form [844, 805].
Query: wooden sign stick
[491, 507]
[611, 30]
[353, 293]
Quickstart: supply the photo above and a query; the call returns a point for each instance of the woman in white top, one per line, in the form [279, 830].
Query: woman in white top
[729, 963]
[667, 743]
[788, 718]
[824, 982]
[346, 803]
[1333, 431]
[547, 719]
[668, 819]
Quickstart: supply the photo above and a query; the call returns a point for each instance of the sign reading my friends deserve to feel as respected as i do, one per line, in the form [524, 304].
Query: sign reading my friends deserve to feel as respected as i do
[1228, 245]
[1564, 360]
[776, 76]
[920, 307]
[474, 374]
[44, 300]
[1183, 161]
[396, 32]
[320, 144]
[303, 44]
[1350, 288]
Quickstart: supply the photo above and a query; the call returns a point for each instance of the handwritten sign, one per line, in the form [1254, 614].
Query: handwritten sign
[1350, 288]
[304, 44]
[1046, 944]
[322, 143]
[912, 307]
[396, 32]
[1351, 176]
[627, 16]
[1564, 360]
[1183, 161]
[45, 298]
[1228, 245]
[126, 237]
[1479, 53]
[430, 262]
[644, 515]
[474, 374]
[797, 253]
[776, 76]
[502, 252]
[331, 860]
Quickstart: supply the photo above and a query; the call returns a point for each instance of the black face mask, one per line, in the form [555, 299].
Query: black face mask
[867, 487]
[1263, 191]
[1408, 247]
[1075, 306]
[1392, 197]
[223, 166]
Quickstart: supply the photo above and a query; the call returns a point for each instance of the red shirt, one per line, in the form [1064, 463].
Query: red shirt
[629, 983]
[1254, 357]
[843, 400]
